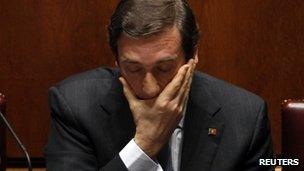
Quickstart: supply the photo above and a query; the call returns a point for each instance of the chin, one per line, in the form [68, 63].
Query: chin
[146, 98]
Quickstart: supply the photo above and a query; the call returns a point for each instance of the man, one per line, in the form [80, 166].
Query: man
[154, 112]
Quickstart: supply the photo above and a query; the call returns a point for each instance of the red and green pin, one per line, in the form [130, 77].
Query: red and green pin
[212, 131]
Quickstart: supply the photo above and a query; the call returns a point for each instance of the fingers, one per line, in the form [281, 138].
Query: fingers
[127, 91]
[172, 88]
[185, 88]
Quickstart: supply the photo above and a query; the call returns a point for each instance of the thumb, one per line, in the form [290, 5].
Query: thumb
[127, 91]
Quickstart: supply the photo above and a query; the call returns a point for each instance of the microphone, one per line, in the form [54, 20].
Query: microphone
[20, 144]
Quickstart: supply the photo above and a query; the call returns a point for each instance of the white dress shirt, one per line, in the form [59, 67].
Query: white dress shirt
[135, 159]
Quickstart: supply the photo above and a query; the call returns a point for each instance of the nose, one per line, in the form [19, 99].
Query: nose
[150, 86]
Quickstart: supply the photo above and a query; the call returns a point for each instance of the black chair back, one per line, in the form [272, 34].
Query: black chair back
[293, 132]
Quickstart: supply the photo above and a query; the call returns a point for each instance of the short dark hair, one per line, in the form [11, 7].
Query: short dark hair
[138, 18]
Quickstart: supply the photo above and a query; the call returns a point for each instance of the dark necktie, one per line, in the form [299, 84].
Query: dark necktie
[163, 156]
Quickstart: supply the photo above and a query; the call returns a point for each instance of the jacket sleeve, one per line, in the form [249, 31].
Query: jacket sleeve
[261, 144]
[69, 148]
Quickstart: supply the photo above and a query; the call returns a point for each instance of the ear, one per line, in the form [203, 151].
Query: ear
[196, 56]
[116, 63]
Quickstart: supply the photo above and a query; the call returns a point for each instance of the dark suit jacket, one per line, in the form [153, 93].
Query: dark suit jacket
[91, 122]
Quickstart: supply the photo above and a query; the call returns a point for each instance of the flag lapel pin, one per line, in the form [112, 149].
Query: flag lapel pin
[212, 131]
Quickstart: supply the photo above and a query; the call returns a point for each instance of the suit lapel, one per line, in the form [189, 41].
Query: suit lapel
[200, 145]
[119, 124]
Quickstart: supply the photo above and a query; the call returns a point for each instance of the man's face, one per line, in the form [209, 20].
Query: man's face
[150, 63]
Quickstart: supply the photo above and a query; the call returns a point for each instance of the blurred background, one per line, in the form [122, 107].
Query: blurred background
[255, 44]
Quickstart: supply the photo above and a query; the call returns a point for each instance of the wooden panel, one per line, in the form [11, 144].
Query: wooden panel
[254, 44]
[43, 42]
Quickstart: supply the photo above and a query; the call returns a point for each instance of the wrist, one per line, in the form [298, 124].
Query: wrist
[150, 148]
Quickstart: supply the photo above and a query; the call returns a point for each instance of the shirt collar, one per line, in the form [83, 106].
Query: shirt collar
[181, 122]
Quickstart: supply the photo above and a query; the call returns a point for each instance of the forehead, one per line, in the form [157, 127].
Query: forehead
[167, 42]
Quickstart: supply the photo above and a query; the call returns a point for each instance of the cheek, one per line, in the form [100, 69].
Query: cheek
[134, 80]
[165, 78]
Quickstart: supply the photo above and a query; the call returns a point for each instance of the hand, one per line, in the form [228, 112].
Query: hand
[156, 119]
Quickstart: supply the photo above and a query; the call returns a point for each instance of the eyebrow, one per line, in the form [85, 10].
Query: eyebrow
[127, 60]
[169, 58]
[166, 59]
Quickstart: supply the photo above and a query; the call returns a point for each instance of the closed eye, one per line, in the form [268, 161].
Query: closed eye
[165, 66]
[134, 69]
